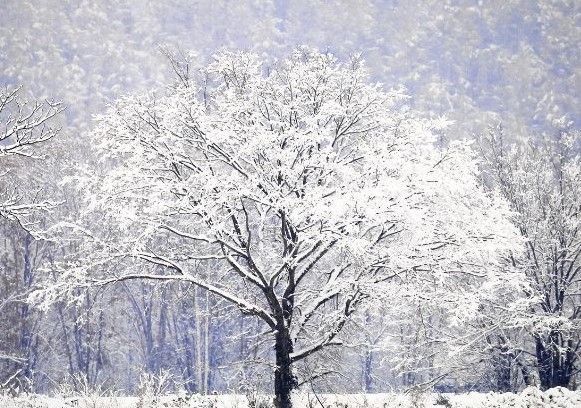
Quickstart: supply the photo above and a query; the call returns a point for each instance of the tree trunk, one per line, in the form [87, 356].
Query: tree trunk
[527, 375]
[284, 380]
[206, 339]
[555, 367]
[503, 364]
[198, 343]
[367, 370]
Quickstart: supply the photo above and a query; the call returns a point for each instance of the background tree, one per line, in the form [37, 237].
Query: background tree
[542, 182]
[25, 129]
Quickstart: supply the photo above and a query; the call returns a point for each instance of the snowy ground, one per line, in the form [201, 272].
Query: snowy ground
[529, 398]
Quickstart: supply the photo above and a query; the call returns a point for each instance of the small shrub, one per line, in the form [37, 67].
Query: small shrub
[257, 400]
[443, 400]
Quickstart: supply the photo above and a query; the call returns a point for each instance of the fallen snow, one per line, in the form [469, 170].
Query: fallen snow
[529, 398]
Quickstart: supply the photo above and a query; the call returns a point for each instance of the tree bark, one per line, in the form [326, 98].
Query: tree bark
[367, 370]
[555, 367]
[284, 380]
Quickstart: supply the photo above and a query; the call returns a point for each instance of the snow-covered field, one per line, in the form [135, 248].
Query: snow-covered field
[529, 398]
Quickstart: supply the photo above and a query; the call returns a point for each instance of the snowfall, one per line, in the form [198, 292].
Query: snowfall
[529, 398]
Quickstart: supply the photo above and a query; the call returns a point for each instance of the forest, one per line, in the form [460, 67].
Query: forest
[269, 203]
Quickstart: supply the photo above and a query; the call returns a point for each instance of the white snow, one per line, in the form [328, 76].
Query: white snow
[529, 398]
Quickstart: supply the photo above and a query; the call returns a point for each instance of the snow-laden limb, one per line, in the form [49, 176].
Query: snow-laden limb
[14, 359]
[302, 185]
[23, 127]
[244, 306]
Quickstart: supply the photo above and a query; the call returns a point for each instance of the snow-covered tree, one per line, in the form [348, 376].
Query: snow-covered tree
[292, 191]
[23, 126]
[542, 182]
[25, 129]
[449, 332]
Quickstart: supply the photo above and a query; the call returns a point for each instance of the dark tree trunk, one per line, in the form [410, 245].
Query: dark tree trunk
[504, 376]
[284, 380]
[503, 364]
[555, 366]
[367, 371]
[28, 341]
[527, 375]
